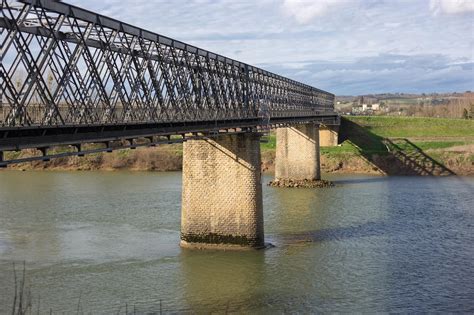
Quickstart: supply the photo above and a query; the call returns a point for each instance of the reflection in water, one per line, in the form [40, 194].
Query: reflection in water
[222, 282]
[33, 230]
[388, 244]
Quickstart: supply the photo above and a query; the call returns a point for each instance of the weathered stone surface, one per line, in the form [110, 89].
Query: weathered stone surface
[305, 183]
[328, 135]
[297, 153]
[222, 193]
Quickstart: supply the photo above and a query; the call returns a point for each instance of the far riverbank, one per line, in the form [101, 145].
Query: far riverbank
[370, 145]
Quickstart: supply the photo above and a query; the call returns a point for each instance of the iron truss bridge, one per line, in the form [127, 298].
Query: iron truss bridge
[70, 76]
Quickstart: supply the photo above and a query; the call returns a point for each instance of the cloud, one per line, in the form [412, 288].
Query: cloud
[391, 24]
[451, 6]
[306, 10]
[385, 73]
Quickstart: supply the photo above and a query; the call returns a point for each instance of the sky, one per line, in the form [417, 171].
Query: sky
[347, 47]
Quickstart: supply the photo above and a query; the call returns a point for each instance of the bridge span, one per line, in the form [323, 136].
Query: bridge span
[70, 77]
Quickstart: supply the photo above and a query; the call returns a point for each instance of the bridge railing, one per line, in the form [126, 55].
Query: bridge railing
[63, 65]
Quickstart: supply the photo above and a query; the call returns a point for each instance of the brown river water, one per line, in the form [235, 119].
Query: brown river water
[104, 241]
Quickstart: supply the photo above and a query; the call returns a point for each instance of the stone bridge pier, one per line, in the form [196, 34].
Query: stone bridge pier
[222, 192]
[222, 187]
[297, 153]
[328, 135]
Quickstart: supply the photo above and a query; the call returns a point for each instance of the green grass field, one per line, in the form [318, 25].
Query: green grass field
[420, 145]
[369, 136]
[269, 143]
[409, 127]
[368, 132]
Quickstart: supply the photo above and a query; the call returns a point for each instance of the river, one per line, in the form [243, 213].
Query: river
[104, 241]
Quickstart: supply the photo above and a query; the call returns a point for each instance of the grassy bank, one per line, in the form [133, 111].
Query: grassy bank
[387, 145]
[403, 145]
[396, 146]
[409, 127]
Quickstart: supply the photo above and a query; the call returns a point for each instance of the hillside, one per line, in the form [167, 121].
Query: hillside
[397, 146]
[406, 145]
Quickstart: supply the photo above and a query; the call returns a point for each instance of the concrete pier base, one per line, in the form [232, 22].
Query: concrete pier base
[222, 193]
[297, 153]
[328, 135]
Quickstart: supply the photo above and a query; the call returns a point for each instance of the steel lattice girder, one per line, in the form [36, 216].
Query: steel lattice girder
[63, 66]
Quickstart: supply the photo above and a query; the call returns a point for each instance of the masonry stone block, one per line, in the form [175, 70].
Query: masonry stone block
[222, 192]
[328, 135]
[297, 153]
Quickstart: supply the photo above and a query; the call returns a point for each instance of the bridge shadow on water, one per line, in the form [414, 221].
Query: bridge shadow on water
[334, 234]
[396, 156]
[363, 180]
